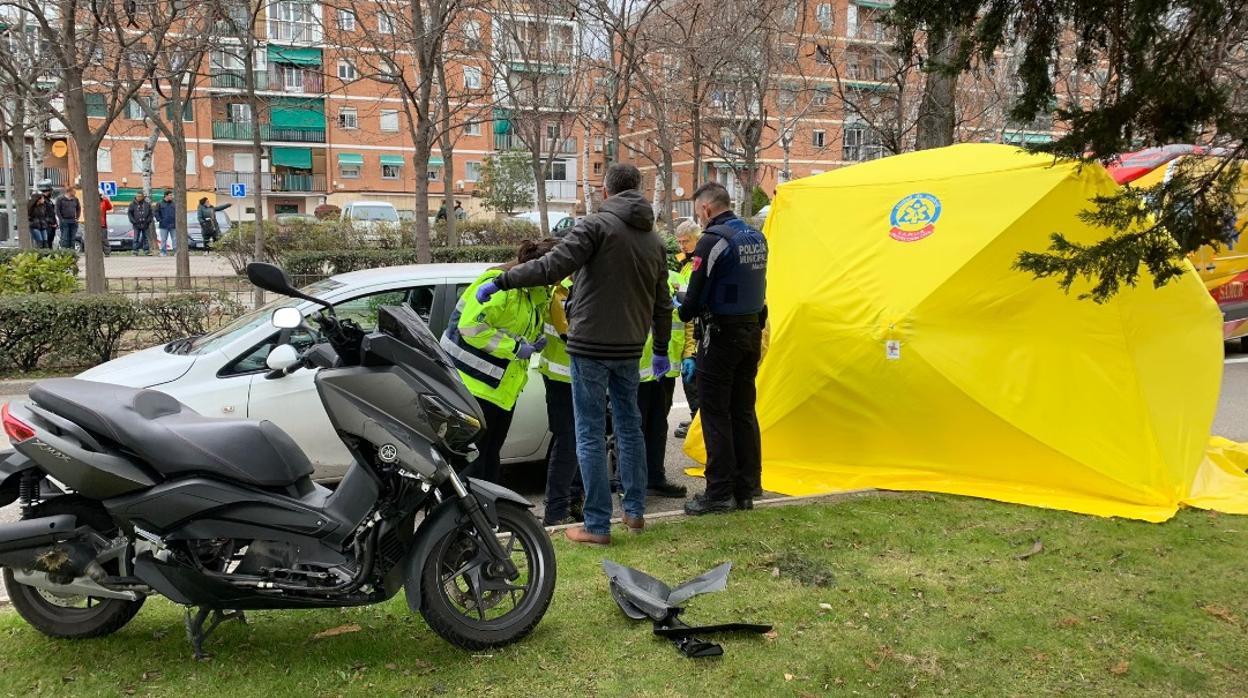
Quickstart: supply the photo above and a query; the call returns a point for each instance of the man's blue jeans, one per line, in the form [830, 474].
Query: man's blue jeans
[69, 231]
[593, 380]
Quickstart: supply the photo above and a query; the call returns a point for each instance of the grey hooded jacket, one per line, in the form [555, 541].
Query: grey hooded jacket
[618, 266]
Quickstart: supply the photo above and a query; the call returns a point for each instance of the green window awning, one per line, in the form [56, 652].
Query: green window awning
[874, 4]
[502, 123]
[294, 56]
[1025, 137]
[297, 113]
[396, 160]
[350, 159]
[435, 161]
[298, 158]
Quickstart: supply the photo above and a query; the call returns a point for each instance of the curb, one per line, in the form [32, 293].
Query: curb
[19, 386]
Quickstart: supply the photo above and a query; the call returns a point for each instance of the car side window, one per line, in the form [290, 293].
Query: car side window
[361, 309]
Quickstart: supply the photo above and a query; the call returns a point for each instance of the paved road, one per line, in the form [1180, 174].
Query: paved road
[123, 264]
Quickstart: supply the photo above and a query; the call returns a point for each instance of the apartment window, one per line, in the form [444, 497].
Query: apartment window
[598, 144]
[292, 79]
[136, 161]
[346, 171]
[787, 97]
[472, 78]
[96, 106]
[818, 138]
[104, 160]
[346, 20]
[134, 110]
[391, 171]
[389, 121]
[190, 162]
[598, 168]
[238, 113]
[823, 14]
[348, 118]
[789, 18]
[472, 34]
[472, 128]
[557, 172]
[433, 174]
[552, 131]
[851, 21]
[346, 71]
[820, 97]
[385, 24]
[472, 170]
[860, 144]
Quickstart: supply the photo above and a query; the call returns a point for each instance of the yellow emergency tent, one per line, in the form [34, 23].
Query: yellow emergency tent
[907, 353]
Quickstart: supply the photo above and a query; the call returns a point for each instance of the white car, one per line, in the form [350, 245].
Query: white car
[223, 373]
[371, 217]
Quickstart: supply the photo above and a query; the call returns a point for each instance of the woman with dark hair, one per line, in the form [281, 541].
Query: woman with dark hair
[37, 215]
[491, 344]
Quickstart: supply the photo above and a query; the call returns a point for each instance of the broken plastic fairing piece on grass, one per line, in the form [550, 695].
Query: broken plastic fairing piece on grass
[641, 596]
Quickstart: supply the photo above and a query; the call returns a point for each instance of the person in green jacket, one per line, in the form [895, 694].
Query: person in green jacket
[654, 398]
[491, 344]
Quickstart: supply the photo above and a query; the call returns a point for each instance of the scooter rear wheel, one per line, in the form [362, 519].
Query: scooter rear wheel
[64, 615]
[474, 609]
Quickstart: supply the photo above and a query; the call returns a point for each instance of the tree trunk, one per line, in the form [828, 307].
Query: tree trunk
[20, 186]
[182, 253]
[149, 153]
[586, 190]
[935, 127]
[695, 143]
[423, 147]
[89, 184]
[539, 177]
[448, 189]
[613, 156]
[253, 102]
[669, 202]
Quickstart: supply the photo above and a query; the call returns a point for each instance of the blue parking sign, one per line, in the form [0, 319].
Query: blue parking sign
[108, 189]
[238, 190]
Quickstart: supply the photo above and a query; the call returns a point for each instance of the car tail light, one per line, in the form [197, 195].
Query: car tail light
[17, 430]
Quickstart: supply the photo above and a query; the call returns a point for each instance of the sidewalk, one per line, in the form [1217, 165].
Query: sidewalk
[122, 264]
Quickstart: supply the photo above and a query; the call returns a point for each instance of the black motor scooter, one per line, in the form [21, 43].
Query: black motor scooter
[128, 493]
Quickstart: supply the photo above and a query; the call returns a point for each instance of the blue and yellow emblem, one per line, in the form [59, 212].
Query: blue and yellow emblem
[914, 217]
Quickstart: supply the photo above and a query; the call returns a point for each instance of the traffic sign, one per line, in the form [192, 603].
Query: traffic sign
[108, 189]
[238, 190]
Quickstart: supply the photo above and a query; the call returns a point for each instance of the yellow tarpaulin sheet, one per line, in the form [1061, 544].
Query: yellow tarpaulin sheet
[906, 352]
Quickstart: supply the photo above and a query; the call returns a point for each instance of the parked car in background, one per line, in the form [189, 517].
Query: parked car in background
[224, 374]
[365, 215]
[121, 233]
[558, 222]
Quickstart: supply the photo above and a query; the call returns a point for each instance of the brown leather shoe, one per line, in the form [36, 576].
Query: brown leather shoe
[578, 534]
[635, 525]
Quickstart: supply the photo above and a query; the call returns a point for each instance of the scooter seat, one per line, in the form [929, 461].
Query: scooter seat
[174, 439]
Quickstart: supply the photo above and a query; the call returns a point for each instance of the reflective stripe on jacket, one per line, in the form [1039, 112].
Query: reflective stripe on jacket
[482, 339]
[675, 346]
[554, 362]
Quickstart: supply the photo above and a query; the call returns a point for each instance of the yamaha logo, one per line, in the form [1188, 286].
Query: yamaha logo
[388, 453]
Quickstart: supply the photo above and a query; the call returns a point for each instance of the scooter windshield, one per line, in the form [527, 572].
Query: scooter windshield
[403, 324]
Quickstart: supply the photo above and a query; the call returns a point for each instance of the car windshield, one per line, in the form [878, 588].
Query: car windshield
[243, 325]
[374, 213]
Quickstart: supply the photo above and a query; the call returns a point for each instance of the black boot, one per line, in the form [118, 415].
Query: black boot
[700, 505]
[670, 490]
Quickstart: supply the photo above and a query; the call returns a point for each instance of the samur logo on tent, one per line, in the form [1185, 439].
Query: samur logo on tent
[914, 217]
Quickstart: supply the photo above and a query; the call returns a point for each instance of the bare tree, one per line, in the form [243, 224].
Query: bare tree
[539, 72]
[102, 53]
[25, 65]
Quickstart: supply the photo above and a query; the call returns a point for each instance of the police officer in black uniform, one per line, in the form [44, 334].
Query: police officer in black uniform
[727, 294]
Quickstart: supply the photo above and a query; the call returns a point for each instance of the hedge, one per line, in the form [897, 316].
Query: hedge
[330, 262]
[73, 330]
[7, 254]
[31, 272]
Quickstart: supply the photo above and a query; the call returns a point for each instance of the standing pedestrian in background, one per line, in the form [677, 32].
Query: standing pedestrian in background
[166, 213]
[36, 213]
[687, 234]
[654, 399]
[619, 295]
[68, 211]
[727, 290]
[140, 215]
[564, 492]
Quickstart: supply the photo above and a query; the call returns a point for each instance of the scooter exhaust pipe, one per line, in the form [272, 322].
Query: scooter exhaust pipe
[50, 544]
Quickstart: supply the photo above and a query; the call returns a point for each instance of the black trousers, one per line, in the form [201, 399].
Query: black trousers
[691, 394]
[727, 366]
[497, 424]
[655, 400]
[563, 474]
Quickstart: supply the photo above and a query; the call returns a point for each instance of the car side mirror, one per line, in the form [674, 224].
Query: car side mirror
[282, 358]
[287, 318]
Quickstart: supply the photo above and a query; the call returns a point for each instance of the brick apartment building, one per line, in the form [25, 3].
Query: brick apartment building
[331, 132]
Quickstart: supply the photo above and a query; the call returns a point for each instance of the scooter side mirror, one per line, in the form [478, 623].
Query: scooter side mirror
[287, 318]
[282, 358]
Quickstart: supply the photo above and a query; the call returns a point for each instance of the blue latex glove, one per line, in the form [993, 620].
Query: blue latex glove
[660, 365]
[527, 350]
[485, 290]
[687, 369]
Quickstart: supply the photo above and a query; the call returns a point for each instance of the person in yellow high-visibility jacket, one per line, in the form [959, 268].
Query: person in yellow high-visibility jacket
[564, 492]
[491, 344]
[654, 398]
[687, 235]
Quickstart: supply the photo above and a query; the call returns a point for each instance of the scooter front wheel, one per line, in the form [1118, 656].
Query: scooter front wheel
[471, 606]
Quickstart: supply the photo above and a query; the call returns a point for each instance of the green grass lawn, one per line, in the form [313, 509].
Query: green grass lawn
[873, 595]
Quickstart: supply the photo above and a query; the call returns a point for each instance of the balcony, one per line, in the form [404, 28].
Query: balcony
[241, 131]
[294, 32]
[560, 190]
[539, 54]
[279, 182]
[284, 80]
[57, 175]
[560, 146]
